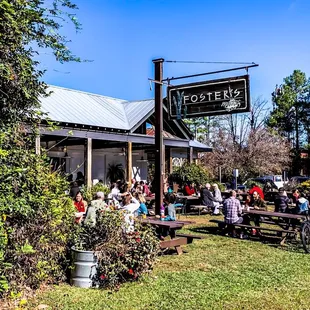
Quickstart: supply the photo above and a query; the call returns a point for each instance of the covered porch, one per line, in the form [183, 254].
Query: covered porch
[96, 131]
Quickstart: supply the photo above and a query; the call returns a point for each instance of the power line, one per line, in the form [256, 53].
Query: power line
[211, 62]
[208, 73]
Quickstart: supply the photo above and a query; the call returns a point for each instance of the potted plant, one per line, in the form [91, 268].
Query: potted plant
[115, 172]
[106, 255]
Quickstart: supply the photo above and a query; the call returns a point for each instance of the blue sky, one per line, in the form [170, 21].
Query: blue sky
[123, 36]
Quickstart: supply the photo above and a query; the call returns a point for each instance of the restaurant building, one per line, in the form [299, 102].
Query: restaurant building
[95, 131]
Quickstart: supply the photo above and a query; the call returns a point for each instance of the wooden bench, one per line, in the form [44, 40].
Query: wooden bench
[199, 208]
[255, 227]
[190, 237]
[176, 243]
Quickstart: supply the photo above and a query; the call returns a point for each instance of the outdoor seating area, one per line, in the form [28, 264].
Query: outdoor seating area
[142, 169]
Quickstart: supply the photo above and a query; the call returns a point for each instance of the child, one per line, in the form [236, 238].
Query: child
[142, 208]
[170, 202]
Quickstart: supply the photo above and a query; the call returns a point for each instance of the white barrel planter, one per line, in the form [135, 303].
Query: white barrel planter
[84, 268]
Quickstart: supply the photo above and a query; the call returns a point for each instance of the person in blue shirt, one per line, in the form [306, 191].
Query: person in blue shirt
[142, 209]
[170, 202]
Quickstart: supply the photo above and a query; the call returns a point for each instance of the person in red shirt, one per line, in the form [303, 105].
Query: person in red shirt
[190, 189]
[256, 188]
[81, 207]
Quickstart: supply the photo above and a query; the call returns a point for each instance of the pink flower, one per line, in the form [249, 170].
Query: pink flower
[102, 277]
[138, 240]
[130, 271]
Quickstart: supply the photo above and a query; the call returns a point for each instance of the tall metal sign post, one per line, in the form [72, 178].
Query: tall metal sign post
[159, 142]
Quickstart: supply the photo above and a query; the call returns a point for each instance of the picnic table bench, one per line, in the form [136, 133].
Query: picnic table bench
[170, 227]
[290, 224]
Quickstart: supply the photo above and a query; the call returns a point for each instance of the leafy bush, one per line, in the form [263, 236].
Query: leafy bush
[36, 220]
[121, 256]
[90, 193]
[305, 186]
[191, 173]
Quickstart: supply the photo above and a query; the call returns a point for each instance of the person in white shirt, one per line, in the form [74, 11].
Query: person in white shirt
[217, 199]
[130, 205]
[95, 205]
[114, 191]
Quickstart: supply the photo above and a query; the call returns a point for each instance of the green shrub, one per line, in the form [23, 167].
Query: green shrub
[121, 256]
[191, 173]
[90, 193]
[305, 186]
[37, 218]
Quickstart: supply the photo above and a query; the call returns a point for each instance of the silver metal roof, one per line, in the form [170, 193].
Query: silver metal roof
[77, 107]
[198, 145]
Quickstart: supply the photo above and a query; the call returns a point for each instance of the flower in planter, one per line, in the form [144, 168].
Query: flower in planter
[102, 277]
[138, 240]
[130, 271]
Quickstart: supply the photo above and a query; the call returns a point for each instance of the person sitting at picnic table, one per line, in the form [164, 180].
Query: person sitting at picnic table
[80, 178]
[95, 205]
[189, 189]
[281, 201]
[302, 205]
[207, 197]
[142, 208]
[81, 207]
[170, 203]
[296, 195]
[257, 203]
[145, 189]
[217, 199]
[115, 190]
[256, 188]
[74, 189]
[130, 205]
[232, 211]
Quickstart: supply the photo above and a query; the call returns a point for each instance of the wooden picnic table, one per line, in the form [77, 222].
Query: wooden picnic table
[188, 197]
[286, 221]
[275, 214]
[170, 228]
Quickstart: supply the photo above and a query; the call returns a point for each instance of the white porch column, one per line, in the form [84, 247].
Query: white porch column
[88, 162]
[38, 145]
[129, 162]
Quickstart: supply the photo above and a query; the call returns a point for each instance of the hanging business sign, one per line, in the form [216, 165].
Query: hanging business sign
[216, 97]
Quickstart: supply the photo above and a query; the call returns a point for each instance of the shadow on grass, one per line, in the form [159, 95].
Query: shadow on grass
[291, 244]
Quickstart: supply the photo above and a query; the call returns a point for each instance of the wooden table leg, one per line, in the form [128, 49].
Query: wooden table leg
[172, 233]
[179, 250]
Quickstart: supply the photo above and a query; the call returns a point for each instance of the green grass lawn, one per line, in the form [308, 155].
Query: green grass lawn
[217, 272]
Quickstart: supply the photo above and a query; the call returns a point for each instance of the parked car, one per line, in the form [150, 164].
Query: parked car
[277, 179]
[261, 182]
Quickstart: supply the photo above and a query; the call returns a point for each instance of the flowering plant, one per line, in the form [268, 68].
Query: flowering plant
[121, 256]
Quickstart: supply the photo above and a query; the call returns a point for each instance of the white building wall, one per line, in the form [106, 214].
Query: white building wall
[101, 160]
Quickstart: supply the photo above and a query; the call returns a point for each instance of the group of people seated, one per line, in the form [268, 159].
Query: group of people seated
[232, 207]
[132, 205]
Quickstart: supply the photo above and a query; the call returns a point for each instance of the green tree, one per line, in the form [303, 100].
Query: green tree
[291, 108]
[290, 116]
[201, 127]
[36, 220]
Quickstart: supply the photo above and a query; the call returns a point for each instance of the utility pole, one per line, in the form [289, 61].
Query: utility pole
[159, 142]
